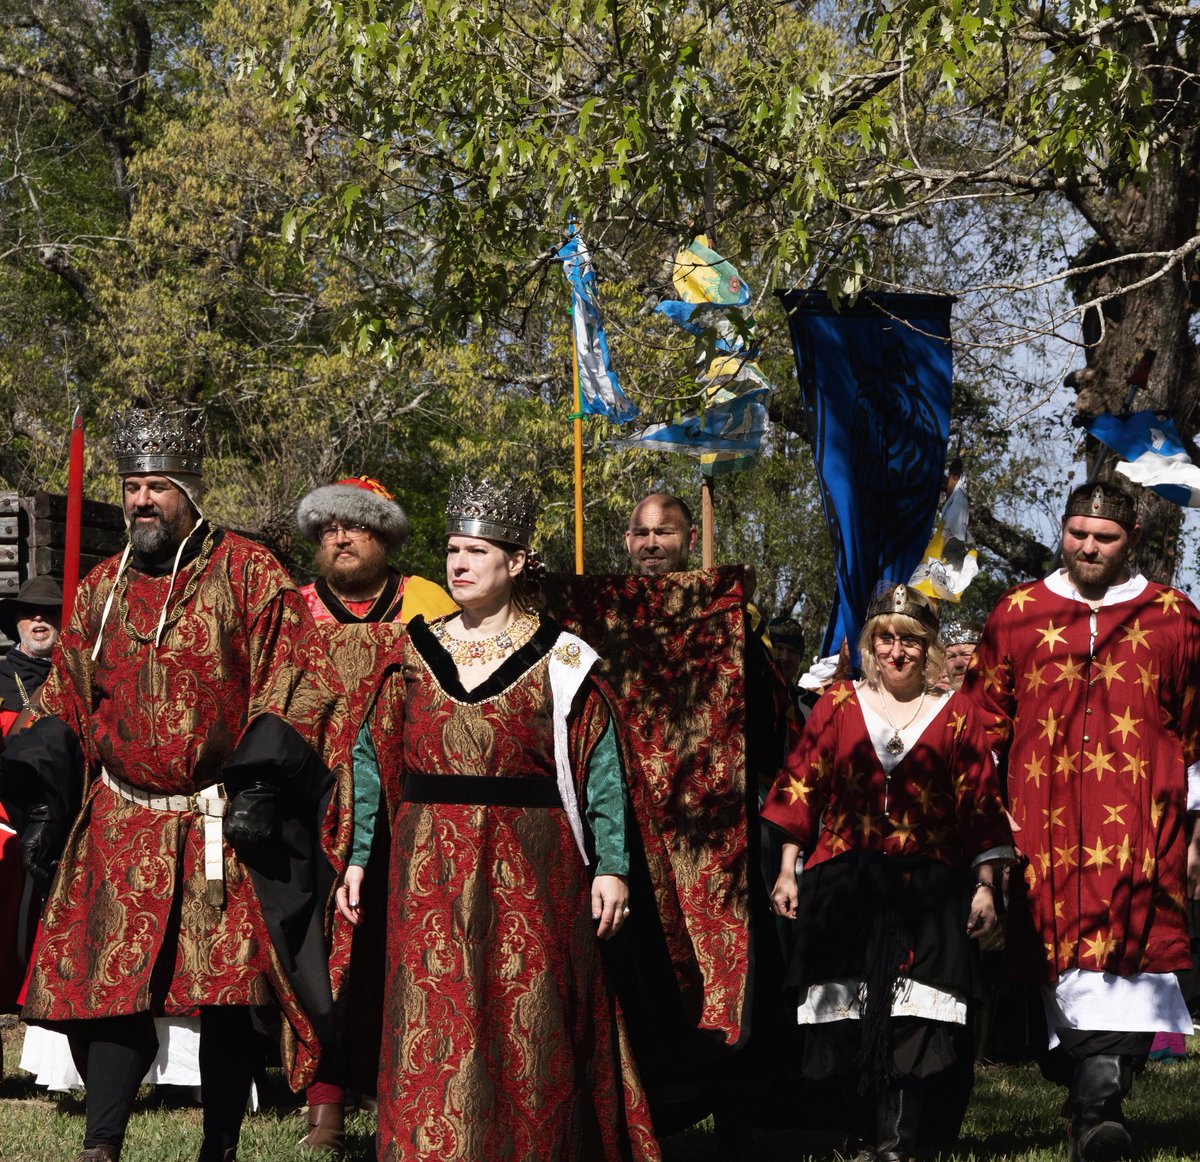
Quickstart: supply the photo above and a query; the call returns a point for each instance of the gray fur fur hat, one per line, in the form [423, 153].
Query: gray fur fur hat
[359, 500]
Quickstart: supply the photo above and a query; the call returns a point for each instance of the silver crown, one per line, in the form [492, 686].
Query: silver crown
[159, 440]
[961, 633]
[497, 512]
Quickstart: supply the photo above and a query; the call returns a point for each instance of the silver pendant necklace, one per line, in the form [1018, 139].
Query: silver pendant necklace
[895, 744]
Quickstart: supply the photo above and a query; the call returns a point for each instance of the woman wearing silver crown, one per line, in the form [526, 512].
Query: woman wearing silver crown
[891, 798]
[499, 765]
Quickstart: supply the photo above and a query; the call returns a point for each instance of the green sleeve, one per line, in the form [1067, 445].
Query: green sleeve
[607, 809]
[366, 796]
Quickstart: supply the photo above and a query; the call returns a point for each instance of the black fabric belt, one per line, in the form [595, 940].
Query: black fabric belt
[482, 790]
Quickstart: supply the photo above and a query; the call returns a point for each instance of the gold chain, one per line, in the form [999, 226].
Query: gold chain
[484, 650]
[199, 565]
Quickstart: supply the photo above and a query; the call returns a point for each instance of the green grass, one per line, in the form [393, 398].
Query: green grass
[1014, 1116]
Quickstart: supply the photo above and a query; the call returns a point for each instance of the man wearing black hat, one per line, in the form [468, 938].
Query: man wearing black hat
[32, 620]
[192, 702]
[1086, 681]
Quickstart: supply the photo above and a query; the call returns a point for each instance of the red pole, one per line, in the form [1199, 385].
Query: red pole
[70, 578]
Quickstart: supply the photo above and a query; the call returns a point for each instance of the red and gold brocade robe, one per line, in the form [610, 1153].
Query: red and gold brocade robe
[128, 926]
[501, 1038]
[941, 800]
[1098, 737]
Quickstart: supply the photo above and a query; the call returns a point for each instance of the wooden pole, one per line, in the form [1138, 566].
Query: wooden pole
[577, 424]
[706, 524]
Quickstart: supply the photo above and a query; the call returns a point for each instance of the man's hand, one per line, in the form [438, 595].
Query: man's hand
[983, 911]
[38, 854]
[610, 904]
[252, 818]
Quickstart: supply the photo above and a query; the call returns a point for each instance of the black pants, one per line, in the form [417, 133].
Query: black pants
[113, 1054]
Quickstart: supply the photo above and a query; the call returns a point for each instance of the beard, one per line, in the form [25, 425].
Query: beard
[162, 537]
[1100, 574]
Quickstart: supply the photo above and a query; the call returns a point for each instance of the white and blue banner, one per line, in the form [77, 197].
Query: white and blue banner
[1155, 453]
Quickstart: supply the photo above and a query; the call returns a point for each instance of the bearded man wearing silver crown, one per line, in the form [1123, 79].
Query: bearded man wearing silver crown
[192, 703]
[1086, 683]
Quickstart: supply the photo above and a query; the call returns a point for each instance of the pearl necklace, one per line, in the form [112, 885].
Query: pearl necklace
[481, 651]
[895, 744]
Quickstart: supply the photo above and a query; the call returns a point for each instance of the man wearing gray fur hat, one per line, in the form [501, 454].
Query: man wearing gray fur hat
[354, 523]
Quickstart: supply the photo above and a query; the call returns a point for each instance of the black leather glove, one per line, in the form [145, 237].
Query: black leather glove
[40, 845]
[252, 818]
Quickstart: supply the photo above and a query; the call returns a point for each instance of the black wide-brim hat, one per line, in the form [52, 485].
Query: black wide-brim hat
[36, 593]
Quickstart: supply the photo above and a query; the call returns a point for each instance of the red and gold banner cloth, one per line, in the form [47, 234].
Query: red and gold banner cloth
[501, 1039]
[673, 650]
[127, 926]
[940, 801]
[1098, 738]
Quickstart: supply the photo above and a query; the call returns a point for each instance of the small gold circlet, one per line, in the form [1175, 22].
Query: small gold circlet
[482, 651]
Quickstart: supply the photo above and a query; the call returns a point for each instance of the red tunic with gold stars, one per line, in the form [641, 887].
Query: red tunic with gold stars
[941, 800]
[1094, 708]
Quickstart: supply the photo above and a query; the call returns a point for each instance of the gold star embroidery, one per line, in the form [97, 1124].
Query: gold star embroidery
[1070, 672]
[1099, 761]
[1058, 909]
[1114, 813]
[926, 796]
[866, 826]
[795, 790]
[904, 830]
[1135, 766]
[993, 676]
[1052, 635]
[1043, 857]
[1018, 597]
[1124, 853]
[1064, 764]
[958, 721]
[842, 695]
[1156, 811]
[1053, 816]
[1100, 948]
[1035, 771]
[1066, 857]
[1066, 948]
[1050, 725]
[837, 844]
[1146, 676]
[1034, 680]
[1169, 600]
[1148, 863]
[1126, 724]
[1098, 856]
[1110, 671]
[1135, 635]
[852, 781]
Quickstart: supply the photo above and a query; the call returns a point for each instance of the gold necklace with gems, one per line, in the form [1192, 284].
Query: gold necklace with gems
[488, 649]
[895, 744]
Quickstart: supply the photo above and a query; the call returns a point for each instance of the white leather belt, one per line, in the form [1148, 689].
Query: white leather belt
[208, 803]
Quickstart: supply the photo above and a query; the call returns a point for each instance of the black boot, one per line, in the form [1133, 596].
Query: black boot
[1097, 1130]
[899, 1118]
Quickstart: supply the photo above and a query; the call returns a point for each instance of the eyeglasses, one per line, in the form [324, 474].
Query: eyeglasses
[907, 640]
[337, 532]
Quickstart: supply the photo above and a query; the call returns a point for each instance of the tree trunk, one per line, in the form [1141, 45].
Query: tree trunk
[1157, 215]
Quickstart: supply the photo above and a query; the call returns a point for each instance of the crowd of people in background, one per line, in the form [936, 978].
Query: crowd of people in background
[528, 954]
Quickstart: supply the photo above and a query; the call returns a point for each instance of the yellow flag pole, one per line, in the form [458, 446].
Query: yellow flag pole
[706, 523]
[577, 423]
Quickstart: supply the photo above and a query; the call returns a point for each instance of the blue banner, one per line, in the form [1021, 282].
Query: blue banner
[733, 426]
[599, 392]
[875, 379]
[1156, 455]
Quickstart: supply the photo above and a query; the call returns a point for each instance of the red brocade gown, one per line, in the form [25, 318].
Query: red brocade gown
[501, 1038]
